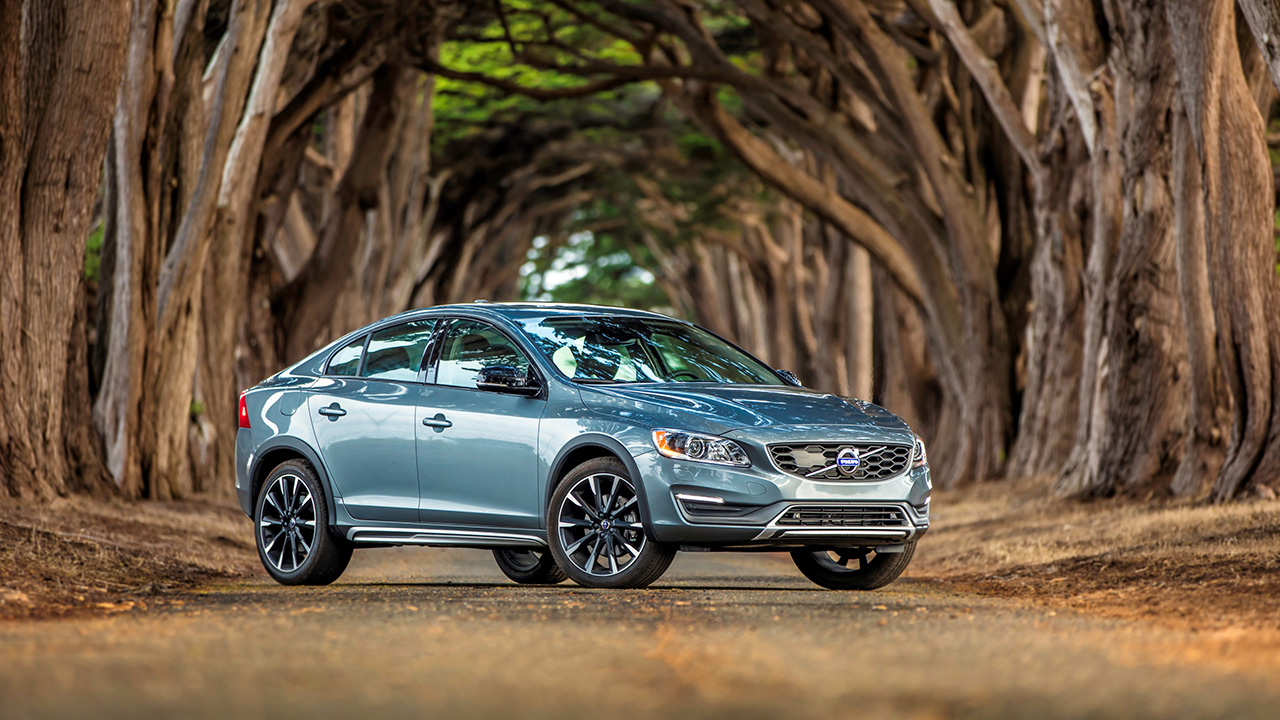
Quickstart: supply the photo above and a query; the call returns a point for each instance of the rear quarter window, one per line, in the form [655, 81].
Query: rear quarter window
[347, 360]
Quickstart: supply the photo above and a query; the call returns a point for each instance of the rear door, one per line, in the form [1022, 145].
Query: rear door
[364, 413]
[477, 449]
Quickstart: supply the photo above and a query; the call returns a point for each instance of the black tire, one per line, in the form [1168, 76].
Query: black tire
[529, 567]
[291, 528]
[871, 569]
[633, 558]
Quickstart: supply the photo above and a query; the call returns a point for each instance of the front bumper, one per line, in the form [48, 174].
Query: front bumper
[764, 508]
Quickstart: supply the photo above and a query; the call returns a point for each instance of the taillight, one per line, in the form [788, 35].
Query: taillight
[244, 412]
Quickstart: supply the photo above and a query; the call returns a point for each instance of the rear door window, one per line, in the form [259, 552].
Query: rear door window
[395, 353]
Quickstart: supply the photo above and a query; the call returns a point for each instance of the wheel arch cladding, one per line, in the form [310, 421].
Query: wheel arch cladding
[589, 447]
[284, 450]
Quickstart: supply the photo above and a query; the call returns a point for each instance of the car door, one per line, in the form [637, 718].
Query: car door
[364, 413]
[477, 449]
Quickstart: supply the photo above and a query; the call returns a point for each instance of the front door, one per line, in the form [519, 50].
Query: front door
[477, 449]
[364, 413]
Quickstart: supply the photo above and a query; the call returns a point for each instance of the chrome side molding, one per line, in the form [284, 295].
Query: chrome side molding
[442, 537]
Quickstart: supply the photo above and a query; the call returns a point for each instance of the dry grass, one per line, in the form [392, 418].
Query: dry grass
[1212, 570]
[77, 555]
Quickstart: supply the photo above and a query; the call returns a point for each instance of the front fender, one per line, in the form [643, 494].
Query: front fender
[594, 440]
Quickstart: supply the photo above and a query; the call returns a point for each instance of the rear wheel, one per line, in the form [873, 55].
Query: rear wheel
[853, 568]
[292, 528]
[596, 532]
[529, 567]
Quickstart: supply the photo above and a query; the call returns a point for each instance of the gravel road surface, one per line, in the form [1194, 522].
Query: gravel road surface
[424, 633]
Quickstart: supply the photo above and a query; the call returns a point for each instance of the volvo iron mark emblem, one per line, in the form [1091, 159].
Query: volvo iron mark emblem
[848, 460]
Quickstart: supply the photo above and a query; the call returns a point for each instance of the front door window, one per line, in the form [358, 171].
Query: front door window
[471, 346]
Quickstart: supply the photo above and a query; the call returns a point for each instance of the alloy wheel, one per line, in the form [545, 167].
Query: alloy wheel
[599, 525]
[287, 529]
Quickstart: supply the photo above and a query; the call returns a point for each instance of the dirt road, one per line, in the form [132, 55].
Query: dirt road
[433, 633]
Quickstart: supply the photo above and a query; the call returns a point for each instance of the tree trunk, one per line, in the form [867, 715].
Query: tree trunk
[1236, 184]
[1209, 404]
[59, 71]
[1132, 428]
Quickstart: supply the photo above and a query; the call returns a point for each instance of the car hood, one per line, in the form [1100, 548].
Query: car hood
[764, 413]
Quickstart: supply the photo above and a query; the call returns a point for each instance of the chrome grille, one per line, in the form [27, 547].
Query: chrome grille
[843, 516]
[879, 461]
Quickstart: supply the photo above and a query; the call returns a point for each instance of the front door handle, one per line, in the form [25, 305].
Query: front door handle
[439, 422]
[333, 412]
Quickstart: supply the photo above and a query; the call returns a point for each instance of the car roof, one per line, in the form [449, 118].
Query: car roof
[517, 311]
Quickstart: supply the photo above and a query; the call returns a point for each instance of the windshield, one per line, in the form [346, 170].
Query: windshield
[635, 350]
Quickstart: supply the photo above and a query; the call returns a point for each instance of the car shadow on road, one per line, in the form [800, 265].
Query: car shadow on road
[739, 585]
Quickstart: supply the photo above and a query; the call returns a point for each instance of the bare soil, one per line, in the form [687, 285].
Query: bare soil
[1213, 570]
[76, 556]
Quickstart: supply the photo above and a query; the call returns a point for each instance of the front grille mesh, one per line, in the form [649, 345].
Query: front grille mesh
[879, 461]
[843, 516]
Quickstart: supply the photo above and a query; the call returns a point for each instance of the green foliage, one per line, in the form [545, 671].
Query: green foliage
[93, 252]
[592, 268]
[197, 408]
[601, 256]
[545, 37]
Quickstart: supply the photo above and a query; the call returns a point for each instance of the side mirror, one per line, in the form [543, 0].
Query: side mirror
[790, 377]
[504, 378]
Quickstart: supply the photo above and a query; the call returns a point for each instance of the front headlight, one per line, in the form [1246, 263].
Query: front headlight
[700, 448]
[919, 458]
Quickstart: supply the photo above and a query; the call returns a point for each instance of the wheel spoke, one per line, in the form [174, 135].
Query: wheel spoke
[595, 494]
[272, 543]
[613, 493]
[862, 560]
[305, 501]
[574, 522]
[634, 552]
[595, 555]
[573, 498]
[628, 526]
[578, 543]
[624, 506]
[609, 549]
[271, 499]
[283, 546]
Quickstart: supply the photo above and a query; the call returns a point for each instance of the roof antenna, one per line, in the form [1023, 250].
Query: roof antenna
[480, 300]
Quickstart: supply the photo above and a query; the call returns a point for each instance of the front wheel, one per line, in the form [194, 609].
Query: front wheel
[596, 532]
[529, 567]
[853, 568]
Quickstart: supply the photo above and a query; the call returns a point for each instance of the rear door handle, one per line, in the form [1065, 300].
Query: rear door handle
[438, 421]
[333, 412]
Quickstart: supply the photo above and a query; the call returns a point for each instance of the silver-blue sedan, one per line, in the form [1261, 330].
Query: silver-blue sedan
[574, 441]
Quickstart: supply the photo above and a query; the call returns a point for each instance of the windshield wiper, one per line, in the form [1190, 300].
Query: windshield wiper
[597, 381]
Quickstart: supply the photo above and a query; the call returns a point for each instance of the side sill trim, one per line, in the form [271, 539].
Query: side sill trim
[421, 536]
